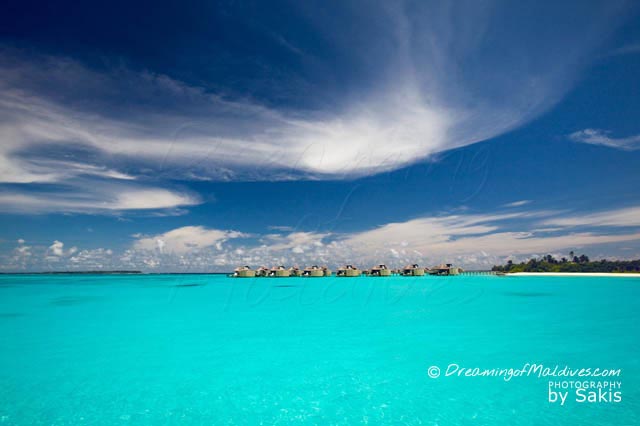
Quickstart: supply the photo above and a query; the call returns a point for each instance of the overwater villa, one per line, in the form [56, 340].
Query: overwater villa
[262, 271]
[313, 271]
[294, 271]
[278, 272]
[380, 271]
[348, 271]
[445, 269]
[244, 272]
[412, 271]
[316, 271]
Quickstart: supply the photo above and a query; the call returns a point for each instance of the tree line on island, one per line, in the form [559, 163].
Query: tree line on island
[573, 263]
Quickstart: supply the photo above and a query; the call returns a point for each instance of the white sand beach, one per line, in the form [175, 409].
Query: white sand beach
[573, 274]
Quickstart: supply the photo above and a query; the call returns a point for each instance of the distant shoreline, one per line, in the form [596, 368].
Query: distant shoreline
[575, 274]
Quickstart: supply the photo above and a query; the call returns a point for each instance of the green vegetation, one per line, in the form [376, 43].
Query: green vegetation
[580, 263]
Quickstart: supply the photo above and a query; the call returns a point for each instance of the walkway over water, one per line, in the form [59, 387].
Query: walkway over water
[481, 273]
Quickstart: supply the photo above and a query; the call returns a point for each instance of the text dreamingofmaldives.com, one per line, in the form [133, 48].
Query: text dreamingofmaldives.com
[528, 370]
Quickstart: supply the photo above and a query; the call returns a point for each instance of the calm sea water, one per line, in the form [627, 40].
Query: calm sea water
[207, 349]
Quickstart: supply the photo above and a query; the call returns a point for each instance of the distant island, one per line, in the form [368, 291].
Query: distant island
[580, 263]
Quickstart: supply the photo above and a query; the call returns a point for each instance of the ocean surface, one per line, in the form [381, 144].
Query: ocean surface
[207, 349]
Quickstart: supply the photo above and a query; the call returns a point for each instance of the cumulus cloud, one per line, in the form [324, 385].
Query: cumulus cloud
[602, 137]
[186, 239]
[23, 251]
[57, 248]
[470, 240]
[297, 242]
[20, 258]
[94, 259]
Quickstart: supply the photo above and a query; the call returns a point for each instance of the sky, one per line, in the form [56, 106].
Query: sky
[198, 136]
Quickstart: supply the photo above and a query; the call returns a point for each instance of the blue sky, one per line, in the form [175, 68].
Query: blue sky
[171, 136]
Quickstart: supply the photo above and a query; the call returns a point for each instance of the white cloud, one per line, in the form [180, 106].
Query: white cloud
[151, 199]
[23, 251]
[295, 241]
[601, 137]
[94, 259]
[517, 203]
[57, 248]
[473, 241]
[20, 258]
[432, 87]
[209, 136]
[186, 239]
[629, 216]
[470, 240]
[281, 228]
[424, 232]
[95, 197]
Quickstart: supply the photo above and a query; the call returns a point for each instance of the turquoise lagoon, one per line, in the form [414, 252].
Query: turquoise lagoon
[207, 349]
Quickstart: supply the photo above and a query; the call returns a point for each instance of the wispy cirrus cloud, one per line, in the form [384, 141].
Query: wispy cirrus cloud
[439, 76]
[519, 203]
[603, 137]
[88, 196]
[627, 49]
[624, 217]
[490, 246]
[478, 236]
